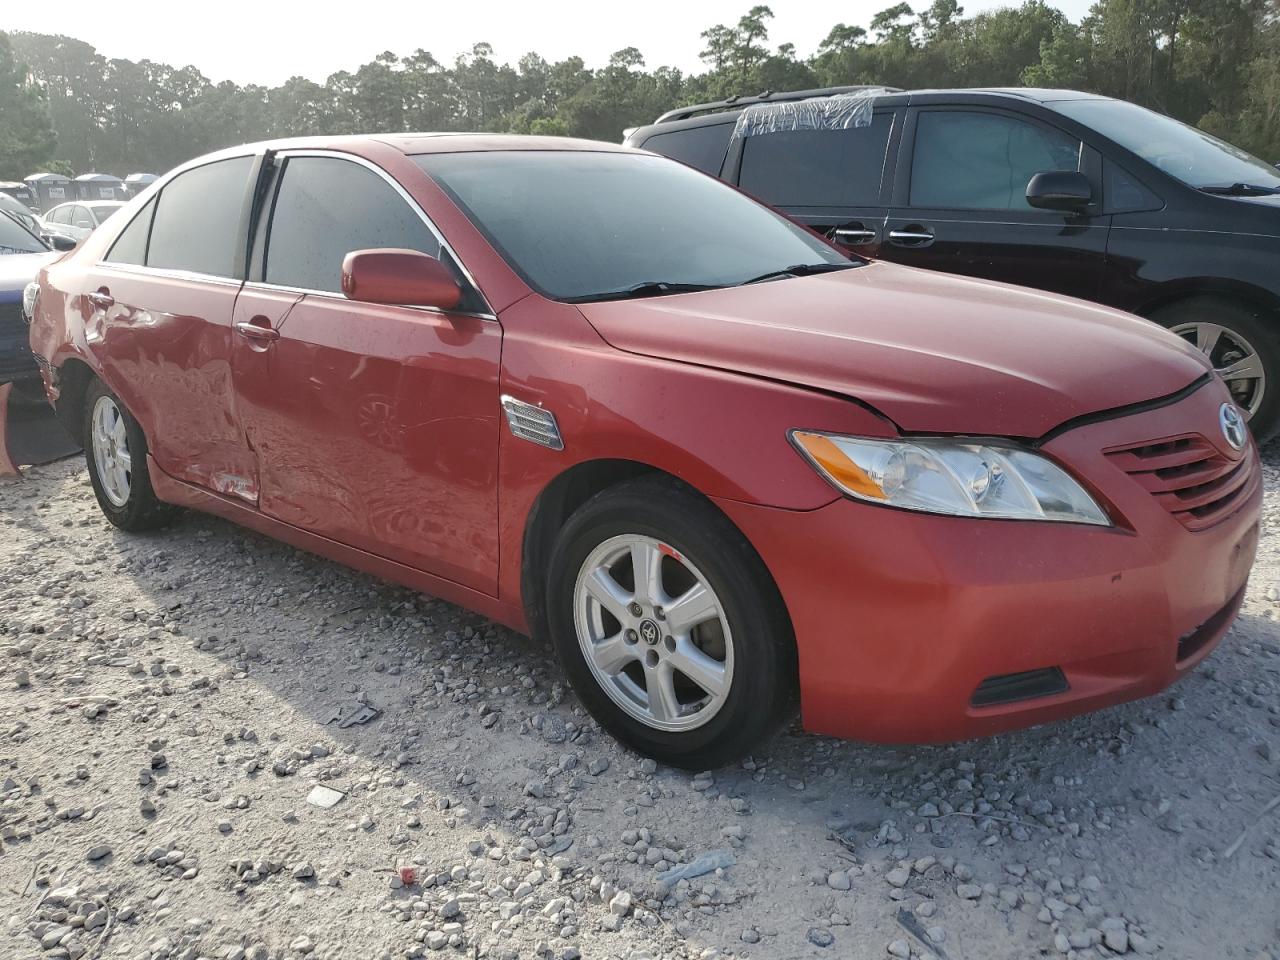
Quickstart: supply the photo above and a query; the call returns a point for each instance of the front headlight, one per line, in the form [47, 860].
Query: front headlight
[956, 477]
[29, 294]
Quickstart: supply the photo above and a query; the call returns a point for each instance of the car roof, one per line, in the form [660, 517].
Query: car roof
[727, 111]
[420, 143]
[1035, 94]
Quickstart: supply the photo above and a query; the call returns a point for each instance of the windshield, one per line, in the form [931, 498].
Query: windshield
[581, 226]
[1191, 155]
[19, 212]
[14, 239]
[103, 210]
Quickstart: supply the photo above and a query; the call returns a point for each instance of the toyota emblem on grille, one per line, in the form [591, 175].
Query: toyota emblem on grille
[1232, 424]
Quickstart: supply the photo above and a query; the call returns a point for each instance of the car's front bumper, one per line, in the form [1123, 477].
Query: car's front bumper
[900, 617]
[16, 359]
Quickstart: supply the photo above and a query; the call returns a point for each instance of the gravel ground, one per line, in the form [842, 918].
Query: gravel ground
[168, 702]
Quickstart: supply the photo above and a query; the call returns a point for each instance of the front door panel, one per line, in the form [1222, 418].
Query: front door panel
[377, 426]
[960, 201]
[1048, 251]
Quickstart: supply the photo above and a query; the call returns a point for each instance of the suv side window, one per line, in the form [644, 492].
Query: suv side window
[131, 245]
[197, 224]
[325, 208]
[702, 148]
[817, 168]
[982, 161]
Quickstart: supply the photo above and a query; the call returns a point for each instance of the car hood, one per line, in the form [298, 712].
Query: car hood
[931, 351]
[19, 269]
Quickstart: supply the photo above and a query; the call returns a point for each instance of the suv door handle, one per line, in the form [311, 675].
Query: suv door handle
[912, 235]
[854, 233]
[256, 331]
[101, 298]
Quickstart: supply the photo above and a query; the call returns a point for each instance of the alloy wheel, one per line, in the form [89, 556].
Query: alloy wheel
[111, 451]
[1233, 357]
[653, 633]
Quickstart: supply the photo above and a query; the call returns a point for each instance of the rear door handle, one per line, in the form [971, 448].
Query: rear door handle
[912, 235]
[101, 298]
[253, 331]
[854, 233]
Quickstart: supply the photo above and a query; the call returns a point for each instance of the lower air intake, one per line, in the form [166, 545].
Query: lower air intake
[1012, 687]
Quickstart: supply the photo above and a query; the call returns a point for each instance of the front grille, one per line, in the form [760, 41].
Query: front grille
[1189, 476]
[16, 360]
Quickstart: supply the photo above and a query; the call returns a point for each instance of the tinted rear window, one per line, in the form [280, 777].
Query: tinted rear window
[817, 168]
[700, 147]
[131, 245]
[197, 220]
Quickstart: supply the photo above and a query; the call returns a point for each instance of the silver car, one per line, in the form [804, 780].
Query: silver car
[79, 218]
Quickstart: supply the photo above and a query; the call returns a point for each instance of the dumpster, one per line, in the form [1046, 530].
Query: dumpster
[135, 183]
[99, 186]
[20, 192]
[50, 189]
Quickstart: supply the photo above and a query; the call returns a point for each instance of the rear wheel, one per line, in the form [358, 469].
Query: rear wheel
[669, 627]
[1244, 350]
[116, 453]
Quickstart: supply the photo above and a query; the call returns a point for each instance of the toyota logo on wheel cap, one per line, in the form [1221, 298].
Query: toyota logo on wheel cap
[1233, 428]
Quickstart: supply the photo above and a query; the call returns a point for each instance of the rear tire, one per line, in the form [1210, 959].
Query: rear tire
[1237, 339]
[698, 668]
[116, 452]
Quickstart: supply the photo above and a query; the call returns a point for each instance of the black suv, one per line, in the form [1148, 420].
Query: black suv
[1065, 191]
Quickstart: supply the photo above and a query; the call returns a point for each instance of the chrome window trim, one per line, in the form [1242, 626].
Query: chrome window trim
[413, 205]
[330, 295]
[146, 271]
[167, 273]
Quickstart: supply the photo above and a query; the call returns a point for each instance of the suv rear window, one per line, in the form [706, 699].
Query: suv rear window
[702, 148]
[817, 168]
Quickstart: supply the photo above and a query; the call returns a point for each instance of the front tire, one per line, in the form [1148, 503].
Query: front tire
[669, 627]
[116, 452]
[1244, 350]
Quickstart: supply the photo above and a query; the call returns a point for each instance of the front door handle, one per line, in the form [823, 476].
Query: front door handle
[101, 298]
[257, 331]
[912, 235]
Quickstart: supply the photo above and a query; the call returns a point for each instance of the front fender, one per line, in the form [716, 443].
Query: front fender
[724, 434]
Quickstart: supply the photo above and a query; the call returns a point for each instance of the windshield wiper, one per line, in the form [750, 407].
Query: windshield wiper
[649, 288]
[1239, 190]
[799, 270]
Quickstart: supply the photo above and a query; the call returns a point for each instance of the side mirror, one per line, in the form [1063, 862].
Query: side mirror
[1064, 190]
[61, 242]
[405, 277]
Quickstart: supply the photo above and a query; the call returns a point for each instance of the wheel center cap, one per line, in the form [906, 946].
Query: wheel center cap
[649, 632]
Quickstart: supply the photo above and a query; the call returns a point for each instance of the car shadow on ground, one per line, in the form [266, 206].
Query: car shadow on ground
[476, 724]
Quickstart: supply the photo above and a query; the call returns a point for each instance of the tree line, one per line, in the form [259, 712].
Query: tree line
[1211, 63]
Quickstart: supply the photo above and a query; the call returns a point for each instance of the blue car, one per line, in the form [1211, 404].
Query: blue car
[22, 254]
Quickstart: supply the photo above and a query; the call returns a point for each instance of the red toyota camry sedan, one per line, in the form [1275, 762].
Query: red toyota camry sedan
[605, 399]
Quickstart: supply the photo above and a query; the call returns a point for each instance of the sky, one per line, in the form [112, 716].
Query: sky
[265, 42]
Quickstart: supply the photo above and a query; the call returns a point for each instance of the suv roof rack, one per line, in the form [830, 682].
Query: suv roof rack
[768, 96]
